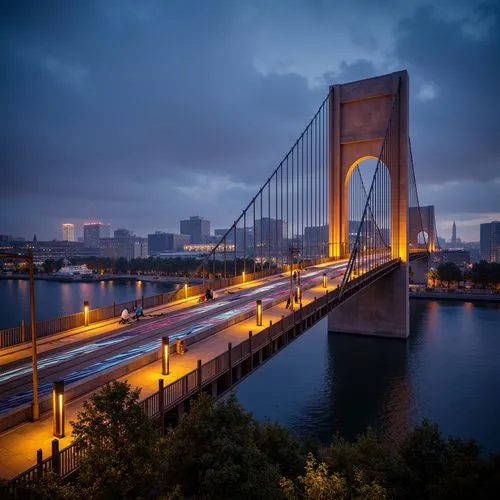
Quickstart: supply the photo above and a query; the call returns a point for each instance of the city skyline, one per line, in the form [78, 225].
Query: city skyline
[110, 133]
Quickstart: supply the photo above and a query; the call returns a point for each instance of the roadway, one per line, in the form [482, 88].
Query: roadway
[87, 357]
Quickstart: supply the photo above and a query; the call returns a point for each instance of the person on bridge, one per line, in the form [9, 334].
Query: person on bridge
[138, 312]
[125, 317]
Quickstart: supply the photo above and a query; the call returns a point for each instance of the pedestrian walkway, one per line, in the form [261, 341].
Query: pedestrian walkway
[18, 446]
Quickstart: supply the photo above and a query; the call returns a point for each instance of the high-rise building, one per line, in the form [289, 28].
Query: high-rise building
[127, 247]
[197, 227]
[490, 241]
[161, 242]
[123, 233]
[270, 236]
[454, 233]
[93, 232]
[68, 232]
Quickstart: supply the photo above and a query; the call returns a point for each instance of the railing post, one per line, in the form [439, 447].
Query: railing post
[250, 346]
[199, 376]
[161, 403]
[56, 457]
[39, 460]
[230, 361]
[23, 332]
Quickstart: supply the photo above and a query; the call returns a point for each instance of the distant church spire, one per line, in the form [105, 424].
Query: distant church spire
[34, 238]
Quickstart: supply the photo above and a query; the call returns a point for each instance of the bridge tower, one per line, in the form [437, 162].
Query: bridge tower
[359, 117]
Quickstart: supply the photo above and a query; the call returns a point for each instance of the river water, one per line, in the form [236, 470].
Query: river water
[55, 299]
[447, 371]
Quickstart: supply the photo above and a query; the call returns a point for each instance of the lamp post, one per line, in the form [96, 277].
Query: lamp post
[35, 412]
[324, 281]
[58, 408]
[258, 312]
[165, 356]
[86, 312]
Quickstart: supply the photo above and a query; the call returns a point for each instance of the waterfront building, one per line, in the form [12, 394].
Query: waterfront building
[490, 241]
[197, 227]
[161, 242]
[56, 250]
[123, 233]
[244, 236]
[124, 245]
[271, 235]
[68, 232]
[93, 232]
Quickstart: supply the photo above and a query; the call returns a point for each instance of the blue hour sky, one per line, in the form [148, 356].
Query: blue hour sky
[140, 113]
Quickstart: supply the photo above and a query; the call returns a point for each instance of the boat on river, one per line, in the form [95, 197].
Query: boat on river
[74, 273]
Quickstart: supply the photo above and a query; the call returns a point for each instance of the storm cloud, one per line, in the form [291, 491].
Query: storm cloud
[140, 113]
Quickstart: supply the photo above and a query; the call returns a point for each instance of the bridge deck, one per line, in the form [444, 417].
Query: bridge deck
[18, 445]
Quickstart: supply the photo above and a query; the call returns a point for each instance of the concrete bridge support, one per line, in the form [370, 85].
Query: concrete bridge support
[380, 309]
[361, 115]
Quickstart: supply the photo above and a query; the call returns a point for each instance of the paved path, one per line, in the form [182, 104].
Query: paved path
[18, 445]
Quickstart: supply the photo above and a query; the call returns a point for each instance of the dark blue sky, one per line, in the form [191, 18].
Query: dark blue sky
[140, 113]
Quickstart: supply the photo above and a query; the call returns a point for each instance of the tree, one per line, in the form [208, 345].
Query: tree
[319, 484]
[124, 449]
[213, 453]
[448, 272]
[432, 275]
[481, 273]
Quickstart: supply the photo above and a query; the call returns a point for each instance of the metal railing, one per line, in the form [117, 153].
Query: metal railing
[65, 461]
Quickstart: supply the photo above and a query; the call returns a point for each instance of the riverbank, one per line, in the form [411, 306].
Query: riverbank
[454, 295]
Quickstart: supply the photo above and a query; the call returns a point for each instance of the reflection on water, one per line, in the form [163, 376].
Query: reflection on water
[57, 299]
[448, 371]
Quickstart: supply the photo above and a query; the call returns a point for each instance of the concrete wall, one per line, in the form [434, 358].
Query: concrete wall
[380, 309]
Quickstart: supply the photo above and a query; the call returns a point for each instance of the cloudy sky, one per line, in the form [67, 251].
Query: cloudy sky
[140, 113]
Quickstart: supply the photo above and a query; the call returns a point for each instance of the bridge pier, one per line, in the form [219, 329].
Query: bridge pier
[381, 309]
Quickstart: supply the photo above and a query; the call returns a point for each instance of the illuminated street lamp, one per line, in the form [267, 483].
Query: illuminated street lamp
[324, 281]
[58, 408]
[258, 312]
[165, 358]
[86, 312]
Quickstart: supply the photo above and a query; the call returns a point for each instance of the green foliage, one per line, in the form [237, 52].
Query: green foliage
[365, 458]
[449, 272]
[124, 458]
[219, 451]
[213, 453]
[486, 274]
[48, 487]
[282, 448]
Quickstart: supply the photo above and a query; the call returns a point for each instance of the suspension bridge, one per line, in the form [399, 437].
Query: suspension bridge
[320, 234]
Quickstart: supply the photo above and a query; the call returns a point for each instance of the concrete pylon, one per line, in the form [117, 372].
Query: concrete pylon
[358, 119]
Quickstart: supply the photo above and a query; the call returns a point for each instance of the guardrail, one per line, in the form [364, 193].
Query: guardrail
[65, 462]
